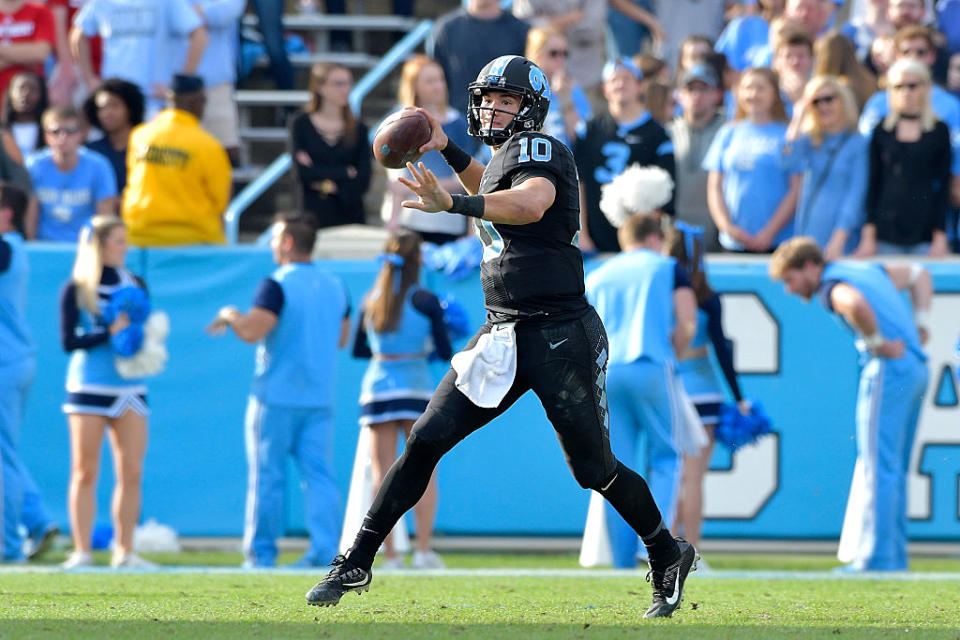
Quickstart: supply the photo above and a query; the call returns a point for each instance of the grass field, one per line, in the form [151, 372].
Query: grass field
[534, 596]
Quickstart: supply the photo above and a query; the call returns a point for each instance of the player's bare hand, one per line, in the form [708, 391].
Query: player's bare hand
[438, 137]
[431, 196]
[221, 321]
[891, 349]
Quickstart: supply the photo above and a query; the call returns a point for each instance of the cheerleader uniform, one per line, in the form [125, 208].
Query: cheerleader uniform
[93, 384]
[699, 376]
[398, 384]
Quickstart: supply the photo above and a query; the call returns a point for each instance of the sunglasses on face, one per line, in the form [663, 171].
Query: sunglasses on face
[822, 100]
[558, 53]
[62, 131]
[908, 85]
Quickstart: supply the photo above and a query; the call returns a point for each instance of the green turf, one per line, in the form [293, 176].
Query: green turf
[210, 607]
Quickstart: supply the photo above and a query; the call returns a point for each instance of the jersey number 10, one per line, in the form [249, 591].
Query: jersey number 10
[541, 147]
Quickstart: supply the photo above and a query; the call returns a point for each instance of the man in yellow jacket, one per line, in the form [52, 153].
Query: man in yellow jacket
[179, 176]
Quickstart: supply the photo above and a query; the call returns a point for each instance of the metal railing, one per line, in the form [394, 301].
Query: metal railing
[280, 166]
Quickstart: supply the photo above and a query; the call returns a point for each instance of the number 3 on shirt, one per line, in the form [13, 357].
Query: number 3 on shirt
[542, 150]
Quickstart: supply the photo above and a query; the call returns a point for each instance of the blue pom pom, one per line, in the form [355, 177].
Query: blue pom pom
[455, 317]
[735, 429]
[457, 259]
[126, 343]
[132, 300]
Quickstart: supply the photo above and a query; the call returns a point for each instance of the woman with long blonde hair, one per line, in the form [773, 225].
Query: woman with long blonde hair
[823, 144]
[400, 326]
[750, 196]
[423, 85]
[835, 55]
[98, 397]
[548, 48]
[330, 149]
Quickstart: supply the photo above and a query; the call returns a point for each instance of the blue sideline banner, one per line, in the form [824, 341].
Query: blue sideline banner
[510, 477]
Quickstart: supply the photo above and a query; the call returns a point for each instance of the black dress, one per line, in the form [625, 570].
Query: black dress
[331, 162]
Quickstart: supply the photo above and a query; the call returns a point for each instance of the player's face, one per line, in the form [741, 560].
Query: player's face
[497, 109]
[800, 282]
[114, 250]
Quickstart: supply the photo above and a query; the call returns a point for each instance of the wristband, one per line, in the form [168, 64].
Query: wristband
[472, 206]
[922, 318]
[225, 313]
[457, 158]
[873, 341]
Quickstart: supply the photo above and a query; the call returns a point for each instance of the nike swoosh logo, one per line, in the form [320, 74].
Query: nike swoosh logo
[672, 600]
[554, 345]
[355, 584]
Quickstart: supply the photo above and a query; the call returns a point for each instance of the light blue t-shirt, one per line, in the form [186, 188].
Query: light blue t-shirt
[296, 361]
[834, 199]
[143, 40]
[554, 123]
[16, 342]
[754, 176]
[633, 294]
[741, 40]
[893, 314]
[69, 199]
[219, 62]
[945, 105]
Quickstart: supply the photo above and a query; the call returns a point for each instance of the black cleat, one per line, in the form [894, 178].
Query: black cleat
[343, 578]
[668, 584]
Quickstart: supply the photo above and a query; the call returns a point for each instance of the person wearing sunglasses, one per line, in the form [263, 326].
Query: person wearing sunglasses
[823, 144]
[908, 191]
[71, 182]
[547, 48]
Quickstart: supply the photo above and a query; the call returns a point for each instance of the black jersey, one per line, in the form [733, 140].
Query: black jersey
[603, 150]
[533, 270]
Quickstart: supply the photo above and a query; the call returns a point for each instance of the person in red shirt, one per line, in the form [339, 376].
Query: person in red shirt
[26, 38]
[65, 79]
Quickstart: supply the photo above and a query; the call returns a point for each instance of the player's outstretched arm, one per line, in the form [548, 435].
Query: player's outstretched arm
[469, 170]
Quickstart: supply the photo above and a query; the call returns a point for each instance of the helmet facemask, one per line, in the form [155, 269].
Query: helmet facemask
[487, 134]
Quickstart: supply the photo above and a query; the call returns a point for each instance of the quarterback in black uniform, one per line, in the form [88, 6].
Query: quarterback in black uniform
[526, 210]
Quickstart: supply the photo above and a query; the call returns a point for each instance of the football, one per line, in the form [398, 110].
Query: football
[399, 138]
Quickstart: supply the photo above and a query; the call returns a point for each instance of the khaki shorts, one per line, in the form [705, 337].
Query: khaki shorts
[220, 118]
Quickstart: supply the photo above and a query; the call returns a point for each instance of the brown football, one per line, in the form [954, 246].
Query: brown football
[399, 138]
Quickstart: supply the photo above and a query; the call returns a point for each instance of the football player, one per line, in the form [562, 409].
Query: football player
[540, 334]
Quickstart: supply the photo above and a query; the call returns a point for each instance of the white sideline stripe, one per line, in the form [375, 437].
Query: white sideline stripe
[868, 576]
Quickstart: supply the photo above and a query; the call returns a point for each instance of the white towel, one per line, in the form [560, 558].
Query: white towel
[486, 372]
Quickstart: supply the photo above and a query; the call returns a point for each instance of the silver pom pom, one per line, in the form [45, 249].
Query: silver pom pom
[636, 190]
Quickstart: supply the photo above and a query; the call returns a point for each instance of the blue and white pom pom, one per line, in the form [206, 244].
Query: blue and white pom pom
[636, 190]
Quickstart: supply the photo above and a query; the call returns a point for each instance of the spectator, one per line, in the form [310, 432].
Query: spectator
[648, 306]
[400, 326]
[547, 48]
[178, 175]
[823, 144]
[835, 56]
[64, 79]
[466, 39]
[793, 62]
[422, 85]
[330, 149]
[115, 108]
[631, 23]
[869, 300]
[218, 69]
[270, 21]
[908, 188]
[816, 16]
[729, 77]
[913, 13]
[948, 20]
[748, 35]
[751, 197]
[299, 318]
[863, 30]
[781, 28]
[72, 183]
[692, 50]
[125, 41]
[660, 102]
[584, 24]
[652, 69]
[98, 397]
[953, 76]
[12, 170]
[692, 132]
[24, 104]
[696, 370]
[682, 19]
[609, 143]
[27, 36]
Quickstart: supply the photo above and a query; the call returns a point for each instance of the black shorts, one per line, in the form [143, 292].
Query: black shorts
[564, 362]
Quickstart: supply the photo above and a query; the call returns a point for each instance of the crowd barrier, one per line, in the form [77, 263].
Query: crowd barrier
[509, 478]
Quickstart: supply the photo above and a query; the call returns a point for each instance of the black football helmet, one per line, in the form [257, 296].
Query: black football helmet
[512, 74]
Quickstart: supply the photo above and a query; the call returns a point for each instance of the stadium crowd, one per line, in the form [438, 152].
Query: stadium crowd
[773, 119]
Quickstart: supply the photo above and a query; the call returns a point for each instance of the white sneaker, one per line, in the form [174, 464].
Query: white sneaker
[428, 560]
[131, 561]
[77, 559]
[396, 562]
